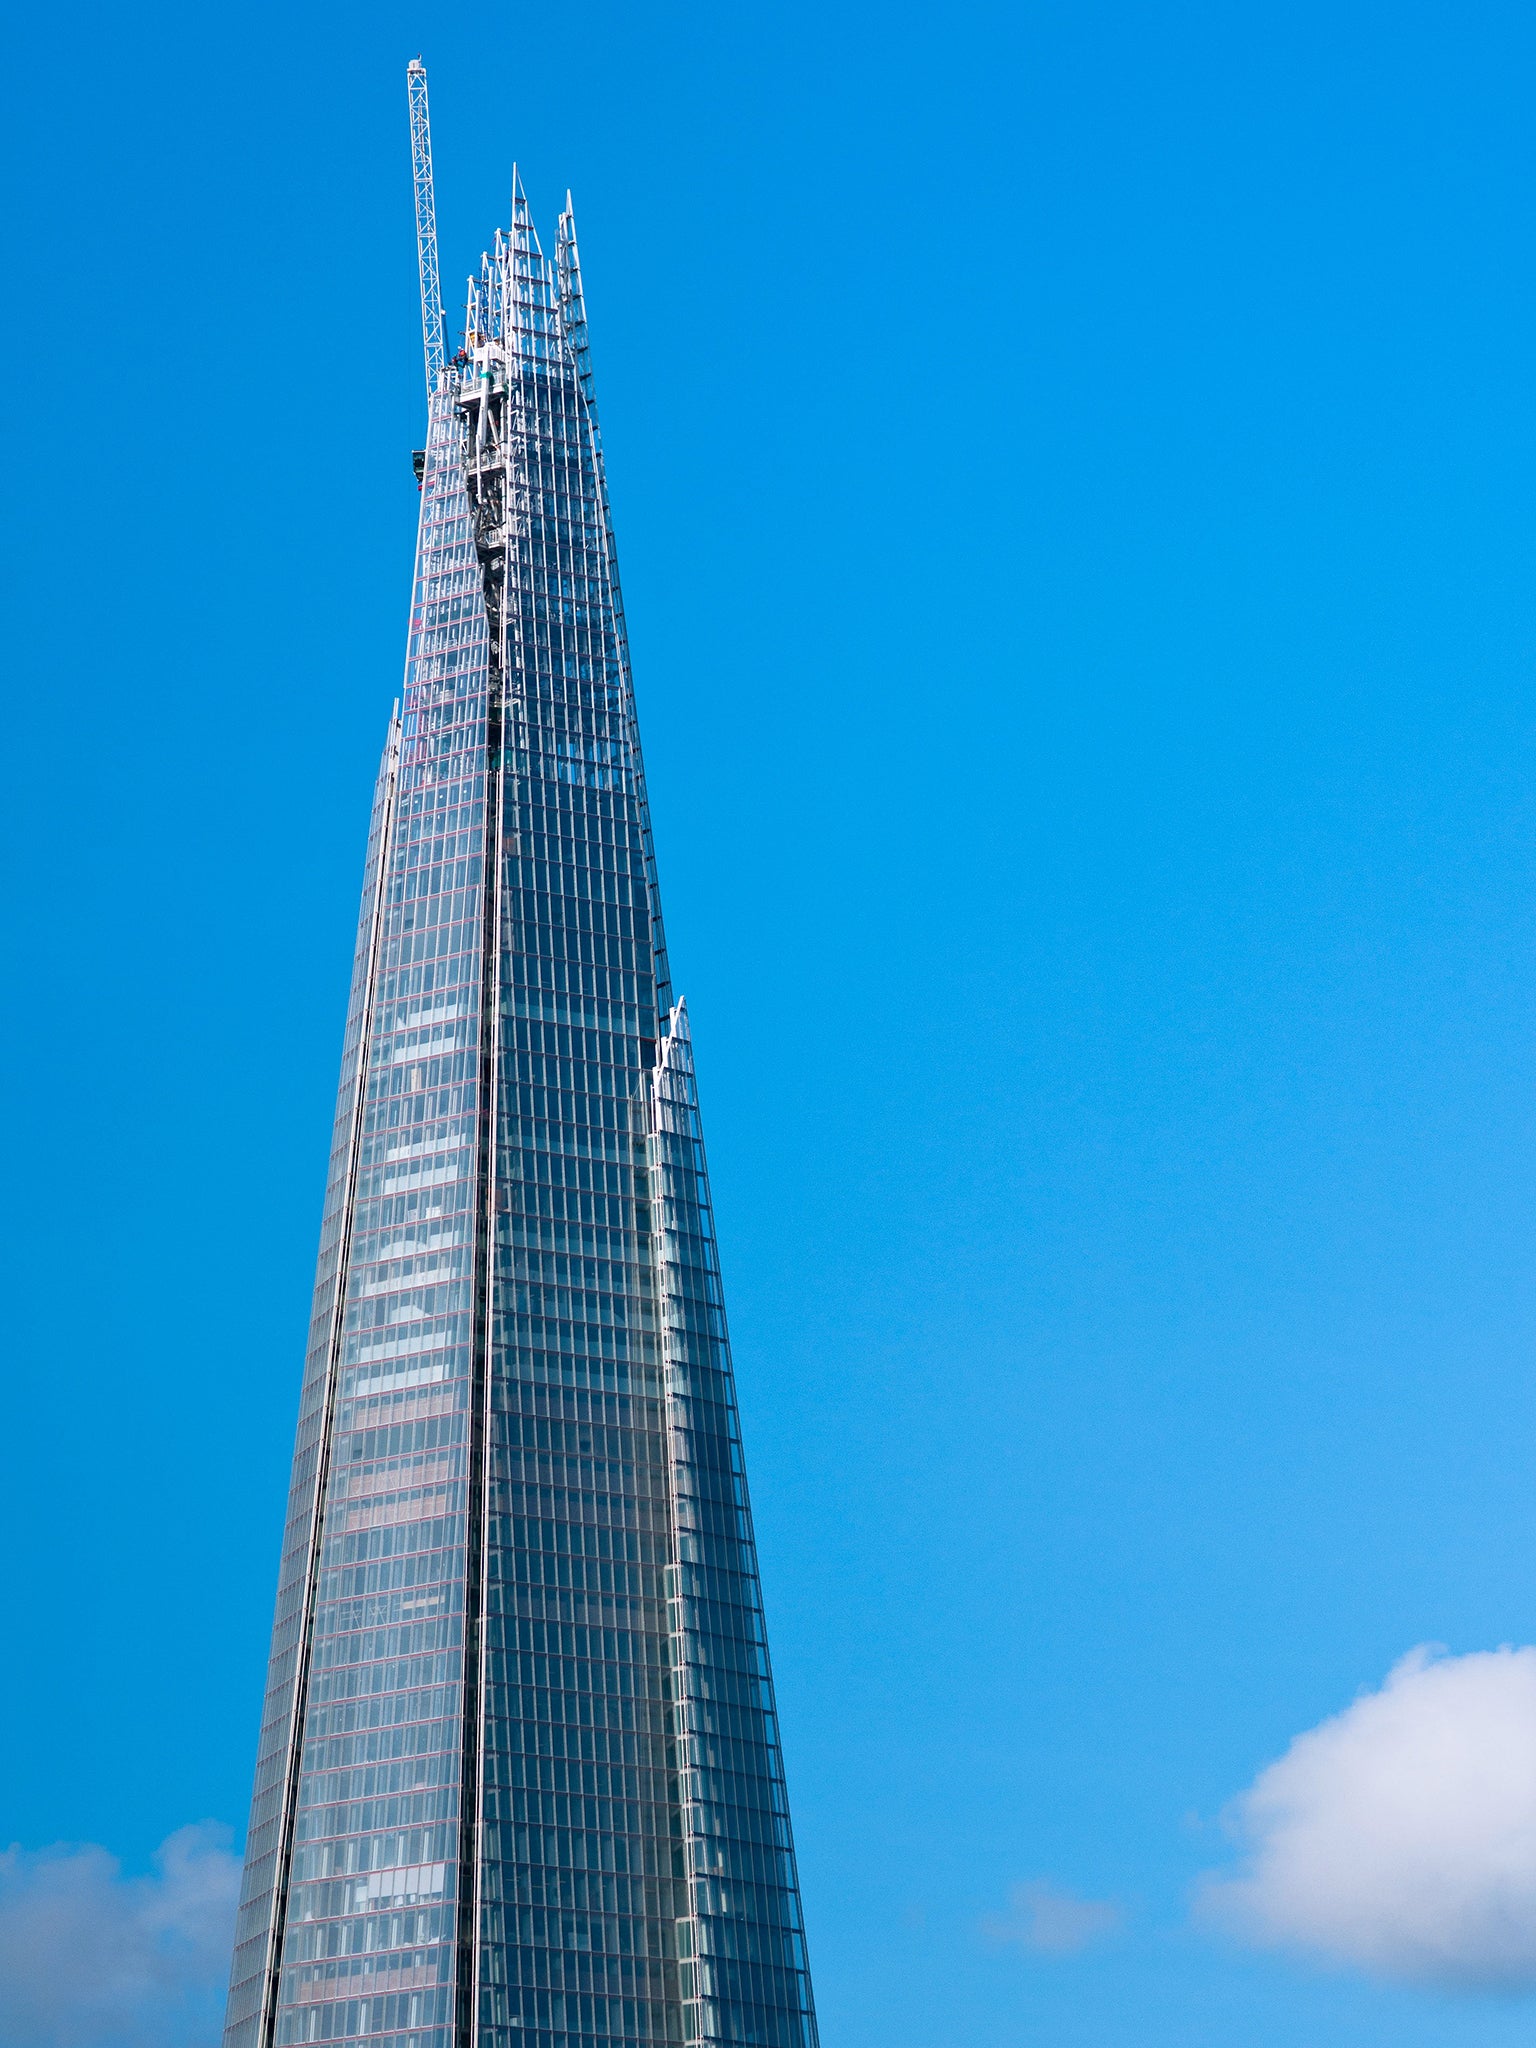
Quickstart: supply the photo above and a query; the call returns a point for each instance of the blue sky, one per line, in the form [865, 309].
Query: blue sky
[1075, 473]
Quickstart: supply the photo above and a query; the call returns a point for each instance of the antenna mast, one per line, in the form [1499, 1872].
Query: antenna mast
[432, 322]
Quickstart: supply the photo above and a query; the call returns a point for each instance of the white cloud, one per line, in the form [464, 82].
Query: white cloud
[92, 1959]
[1400, 1837]
[1051, 1922]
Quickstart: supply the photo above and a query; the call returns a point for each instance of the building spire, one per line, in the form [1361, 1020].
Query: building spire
[573, 305]
[522, 216]
[447, 1204]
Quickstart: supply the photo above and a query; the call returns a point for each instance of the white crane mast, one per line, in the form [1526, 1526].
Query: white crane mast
[432, 322]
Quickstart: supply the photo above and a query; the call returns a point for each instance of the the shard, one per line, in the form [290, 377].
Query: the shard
[519, 1780]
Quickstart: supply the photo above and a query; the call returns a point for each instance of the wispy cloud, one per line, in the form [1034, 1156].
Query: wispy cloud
[1050, 1922]
[1400, 1836]
[92, 1959]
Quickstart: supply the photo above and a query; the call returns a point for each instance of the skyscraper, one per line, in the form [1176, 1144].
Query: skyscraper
[519, 1780]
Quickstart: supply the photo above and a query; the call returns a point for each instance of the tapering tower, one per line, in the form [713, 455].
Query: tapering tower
[519, 1781]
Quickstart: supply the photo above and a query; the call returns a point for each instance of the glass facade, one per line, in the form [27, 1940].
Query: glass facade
[519, 1781]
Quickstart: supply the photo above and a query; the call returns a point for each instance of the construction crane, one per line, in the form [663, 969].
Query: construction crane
[432, 321]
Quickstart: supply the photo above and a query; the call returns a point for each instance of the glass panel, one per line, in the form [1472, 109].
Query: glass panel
[519, 1782]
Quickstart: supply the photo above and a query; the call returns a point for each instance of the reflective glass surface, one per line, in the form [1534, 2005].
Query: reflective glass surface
[519, 1779]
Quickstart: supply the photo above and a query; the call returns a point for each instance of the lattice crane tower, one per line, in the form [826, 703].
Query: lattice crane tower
[432, 322]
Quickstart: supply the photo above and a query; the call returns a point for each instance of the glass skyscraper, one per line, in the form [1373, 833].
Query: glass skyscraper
[519, 1780]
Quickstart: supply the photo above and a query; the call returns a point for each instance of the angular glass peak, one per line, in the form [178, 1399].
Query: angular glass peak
[519, 1779]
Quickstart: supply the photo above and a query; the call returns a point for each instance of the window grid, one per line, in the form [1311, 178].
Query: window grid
[631, 1871]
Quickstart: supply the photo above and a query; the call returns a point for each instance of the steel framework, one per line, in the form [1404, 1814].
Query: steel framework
[432, 322]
